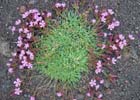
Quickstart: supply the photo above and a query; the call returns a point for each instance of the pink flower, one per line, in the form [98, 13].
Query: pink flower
[10, 59]
[99, 64]
[111, 26]
[25, 14]
[26, 30]
[103, 19]
[31, 24]
[105, 34]
[104, 14]
[121, 37]
[114, 47]
[131, 37]
[92, 83]
[21, 66]
[59, 94]
[14, 54]
[57, 5]
[30, 65]
[19, 43]
[29, 35]
[32, 98]
[42, 24]
[110, 11]
[119, 57]
[20, 30]
[93, 21]
[97, 87]
[100, 96]
[101, 81]
[116, 23]
[17, 91]
[103, 46]
[63, 5]
[10, 70]
[26, 46]
[13, 28]
[17, 22]
[88, 94]
[17, 82]
[98, 70]
[114, 60]
[8, 64]
[49, 14]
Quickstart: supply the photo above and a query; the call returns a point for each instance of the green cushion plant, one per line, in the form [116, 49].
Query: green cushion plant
[63, 53]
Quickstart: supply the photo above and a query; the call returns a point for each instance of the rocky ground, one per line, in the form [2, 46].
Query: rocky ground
[127, 86]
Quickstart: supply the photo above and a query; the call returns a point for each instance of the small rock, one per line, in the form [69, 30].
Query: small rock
[32, 2]
[106, 84]
[22, 9]
[4, 48]
[80, 96]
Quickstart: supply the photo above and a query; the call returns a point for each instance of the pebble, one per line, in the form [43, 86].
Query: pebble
[32, 2]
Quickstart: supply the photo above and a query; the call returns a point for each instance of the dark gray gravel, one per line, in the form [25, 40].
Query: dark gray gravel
[127, 86]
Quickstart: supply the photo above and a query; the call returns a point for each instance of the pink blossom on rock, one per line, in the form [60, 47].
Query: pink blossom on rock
[19, 43]
[49, 14]
[97, 87]
[103, 46]
[17, 82]
[110, 11]
[57, 5]
[114, 60]
[92, 83]
[10, 70]
[20, 30]
[98, 70]
[88, 94]
[8, 64]
[13, 29]
[32, 98]
[63, 5]
[25, 14]
[59, 94]
[101, 81]
[105, 34]
[116, 23]
[111, 26]
[14, 54]
[17, 91]
[119, 57]
[17, 22]
[131, 37]
[100, 95]
[121, 37]
[93, 21]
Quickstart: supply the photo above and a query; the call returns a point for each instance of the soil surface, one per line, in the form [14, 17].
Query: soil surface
[127, 86]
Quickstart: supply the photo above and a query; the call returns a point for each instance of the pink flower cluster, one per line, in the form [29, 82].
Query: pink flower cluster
[112, 44]
[60, 5]
[17, 90]
[25, 53]
[95, 84]
[24, 56]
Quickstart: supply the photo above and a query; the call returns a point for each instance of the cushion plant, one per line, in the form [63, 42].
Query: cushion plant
[65, 55]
